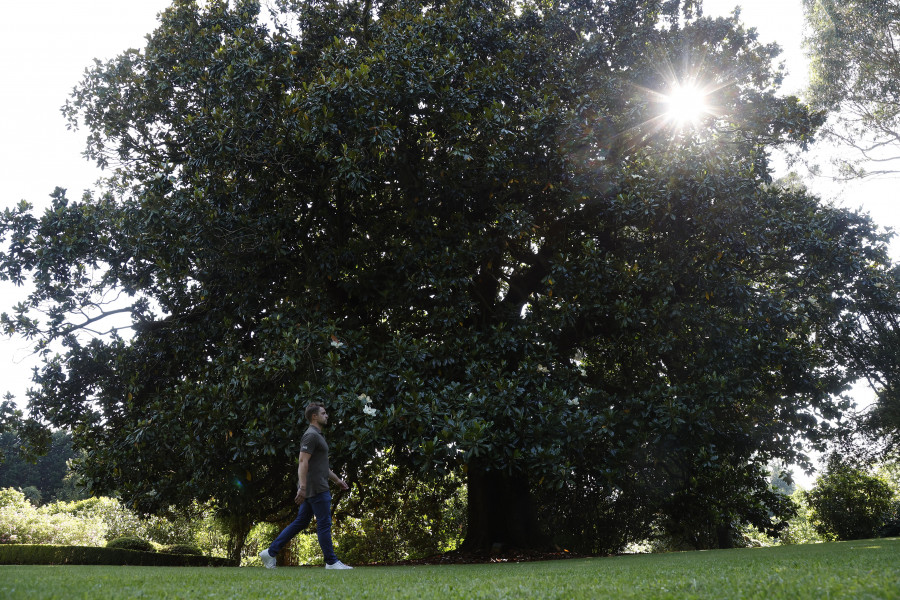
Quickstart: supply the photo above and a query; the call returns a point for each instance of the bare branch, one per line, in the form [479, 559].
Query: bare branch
[84, 326]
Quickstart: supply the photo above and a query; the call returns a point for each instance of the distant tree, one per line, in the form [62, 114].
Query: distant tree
[781, 480]
[46, 473]
[847, 503]
[854, 50]
[14, 471]
[33, 437]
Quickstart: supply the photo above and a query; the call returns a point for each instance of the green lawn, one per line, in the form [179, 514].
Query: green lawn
[860, 569]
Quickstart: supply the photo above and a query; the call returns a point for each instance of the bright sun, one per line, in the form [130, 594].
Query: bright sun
[686, 104]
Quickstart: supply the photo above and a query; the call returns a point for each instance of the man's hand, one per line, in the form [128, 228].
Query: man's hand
[301, 496]
[340, 482]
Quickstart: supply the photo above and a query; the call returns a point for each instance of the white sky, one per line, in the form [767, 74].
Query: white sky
[47, 44]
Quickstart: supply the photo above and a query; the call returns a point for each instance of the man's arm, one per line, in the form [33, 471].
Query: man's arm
[337, 480]
[302, 470]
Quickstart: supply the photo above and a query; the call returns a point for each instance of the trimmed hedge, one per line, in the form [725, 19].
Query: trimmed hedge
[181, 549]
[33, 554]
[131, 543]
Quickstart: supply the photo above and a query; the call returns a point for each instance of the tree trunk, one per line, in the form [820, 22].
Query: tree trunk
[238, 530]
[286, 556]
[501, 513]
[725, 536]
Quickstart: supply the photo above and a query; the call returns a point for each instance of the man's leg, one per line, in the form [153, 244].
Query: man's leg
[304, 516]
[321, 507]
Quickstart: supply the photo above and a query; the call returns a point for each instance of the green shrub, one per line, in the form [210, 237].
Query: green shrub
[260, 536]
[95, 521]
[396, 516]
[172, 529]
[847, 503]
[211, 536]
[12, 497]
[131, 543]
[33, 495]
[800, 529]
[302, 550]
[121, 521]
[23, 523]
[181, 549]
[306, 550]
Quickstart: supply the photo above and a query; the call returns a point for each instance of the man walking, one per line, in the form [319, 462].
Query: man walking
[312, 494]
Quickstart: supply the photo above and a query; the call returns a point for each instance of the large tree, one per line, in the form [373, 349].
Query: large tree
[471, 229]
[854, 50]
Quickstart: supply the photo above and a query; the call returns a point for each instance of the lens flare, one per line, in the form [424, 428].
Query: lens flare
[686, 104]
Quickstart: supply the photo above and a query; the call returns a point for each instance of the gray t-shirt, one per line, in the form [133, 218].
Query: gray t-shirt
[314, 444]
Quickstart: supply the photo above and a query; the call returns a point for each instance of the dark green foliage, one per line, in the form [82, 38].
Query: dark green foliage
[32, 439]
[24, 554]
[131, 543]
[467, 228]
[881, 423]
[32, 494]
[181, 549]
[847, 503]
[47, 473]
[891, 528]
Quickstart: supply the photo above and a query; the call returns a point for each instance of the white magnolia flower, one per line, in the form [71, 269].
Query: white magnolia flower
[336, 344]
[369, 410]
[573, 401]
[542, 369]
[365, 398]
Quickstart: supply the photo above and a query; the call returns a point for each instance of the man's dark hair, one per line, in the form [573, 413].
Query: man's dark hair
[312, 409]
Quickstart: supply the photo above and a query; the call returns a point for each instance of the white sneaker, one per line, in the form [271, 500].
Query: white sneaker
[267, 559]
[338, 565]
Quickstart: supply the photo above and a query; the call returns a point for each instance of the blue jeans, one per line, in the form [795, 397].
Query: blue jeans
[320, 506]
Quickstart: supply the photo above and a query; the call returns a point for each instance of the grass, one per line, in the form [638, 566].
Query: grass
[860, 569]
